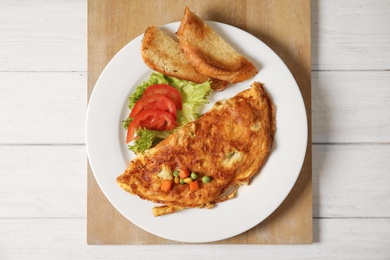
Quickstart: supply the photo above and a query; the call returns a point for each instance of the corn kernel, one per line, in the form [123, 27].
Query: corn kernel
[187, 180]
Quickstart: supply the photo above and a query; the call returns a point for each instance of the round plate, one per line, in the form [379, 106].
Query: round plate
[109, 157]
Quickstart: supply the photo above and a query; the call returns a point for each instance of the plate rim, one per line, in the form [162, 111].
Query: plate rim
[224, 27]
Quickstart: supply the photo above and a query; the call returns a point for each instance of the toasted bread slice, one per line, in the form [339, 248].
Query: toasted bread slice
[209, 53]
[162, 53]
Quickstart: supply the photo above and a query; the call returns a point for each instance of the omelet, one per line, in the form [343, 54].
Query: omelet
[226, 147]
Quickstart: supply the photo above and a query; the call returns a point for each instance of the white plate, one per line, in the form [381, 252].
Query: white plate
[109, 157]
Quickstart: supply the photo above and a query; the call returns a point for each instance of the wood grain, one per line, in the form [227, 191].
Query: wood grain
[351, 180]
[348, 106]
[58, 239]
[42, 107]
[43, 181]
[350, 41]
[111, 25]
[38, 99]
[51, 36]
[339, 173]
[42, 35]
[355, 38]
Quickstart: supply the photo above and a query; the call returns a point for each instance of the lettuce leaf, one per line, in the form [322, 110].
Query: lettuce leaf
[193, 96]
[147, 138]
[126, 122]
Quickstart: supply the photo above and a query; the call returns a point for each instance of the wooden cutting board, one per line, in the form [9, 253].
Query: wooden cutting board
[284, 25]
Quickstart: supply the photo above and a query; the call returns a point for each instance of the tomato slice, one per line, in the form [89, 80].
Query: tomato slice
[154, 102]
[152, 120]
[167, 91]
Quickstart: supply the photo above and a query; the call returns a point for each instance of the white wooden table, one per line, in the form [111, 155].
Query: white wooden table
[42, 145]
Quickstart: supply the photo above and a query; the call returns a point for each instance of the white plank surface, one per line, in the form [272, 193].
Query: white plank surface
[43, 181]
[351, 180]
[43, 35]
[65, 239]
[51, 35]
[43, 159]
[42, 107]
[48, 181]
[350, 34]
[351, 106]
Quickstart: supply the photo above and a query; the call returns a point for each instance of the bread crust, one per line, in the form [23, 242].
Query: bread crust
[209, 54]
[162, 53]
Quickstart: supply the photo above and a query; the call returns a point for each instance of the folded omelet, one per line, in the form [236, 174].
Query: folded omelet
[228, 144]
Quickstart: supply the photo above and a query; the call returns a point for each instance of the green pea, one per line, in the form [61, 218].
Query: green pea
[194, 176]
[182, 181]
[206, 179]
[176, 173]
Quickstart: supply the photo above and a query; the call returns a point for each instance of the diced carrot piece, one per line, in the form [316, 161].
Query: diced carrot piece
[184, 173]
[166, 185]
[194, 186]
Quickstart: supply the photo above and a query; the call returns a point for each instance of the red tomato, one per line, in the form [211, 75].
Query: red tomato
[167, 91]
[152, 120]
[155, 102]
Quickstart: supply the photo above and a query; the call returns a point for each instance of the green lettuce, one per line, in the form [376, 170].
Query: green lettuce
[147, 138]
[193, 96]
[126, 122]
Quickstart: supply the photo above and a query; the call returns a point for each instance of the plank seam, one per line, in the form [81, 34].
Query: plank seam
[43, 144]
[316, 144]
[54, 218]
[85, 71]
[353, 143]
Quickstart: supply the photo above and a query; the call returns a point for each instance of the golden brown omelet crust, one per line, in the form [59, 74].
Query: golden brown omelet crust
[229, 143]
